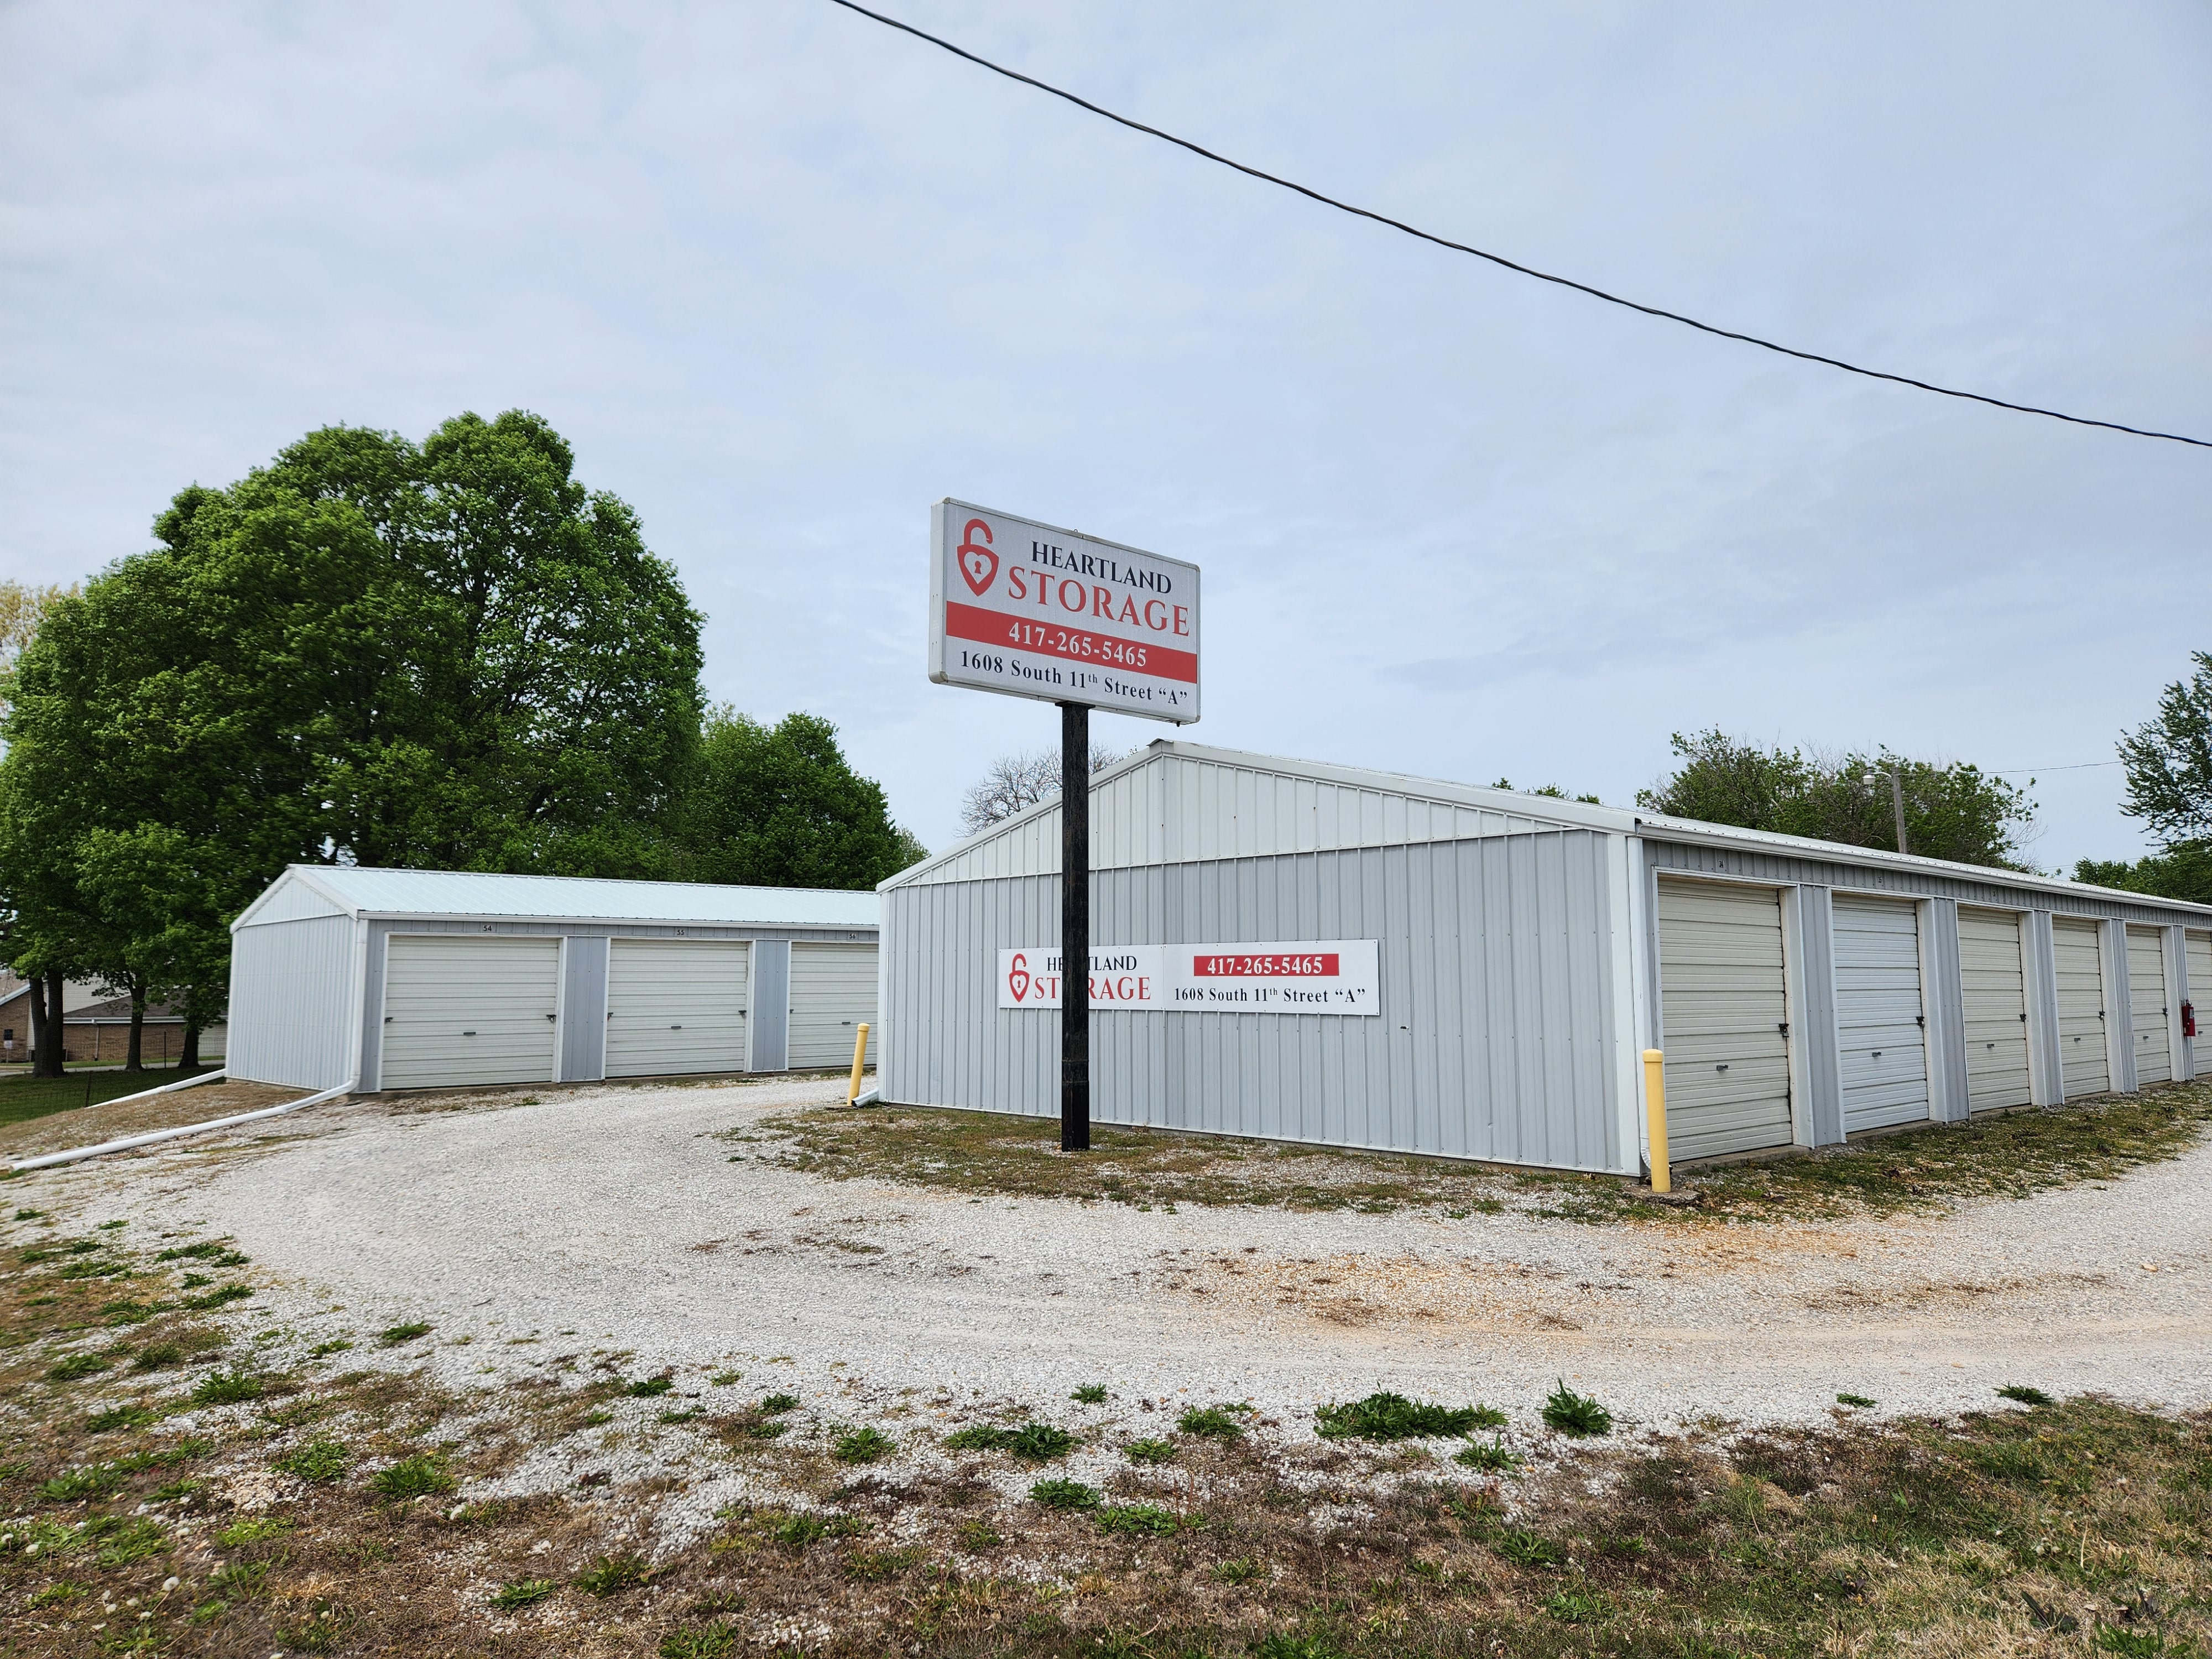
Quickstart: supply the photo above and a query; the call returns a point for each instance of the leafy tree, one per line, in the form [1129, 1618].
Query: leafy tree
[449, 654]
[1014, 783]
[2183, 871]
[1951, 811]
[2169, 760]
[1550, 792]
[45, 960]
[779, 806]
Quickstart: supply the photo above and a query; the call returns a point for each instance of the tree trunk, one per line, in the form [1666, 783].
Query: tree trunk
[135, 1059]
[52, 1050]
[189, 1059]
[38, 1025]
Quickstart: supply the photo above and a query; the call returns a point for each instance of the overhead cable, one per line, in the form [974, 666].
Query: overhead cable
[1499, 260]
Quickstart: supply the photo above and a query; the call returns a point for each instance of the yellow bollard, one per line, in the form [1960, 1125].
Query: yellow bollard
[1655, 1116]
[860, 1053]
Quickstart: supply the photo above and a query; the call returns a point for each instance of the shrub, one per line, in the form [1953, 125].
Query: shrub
[1394, 1417]
[1065, 1494]
[1576, 1415]
[319, 1460]
[611, 1574]
[226, 1388]
[861, 1445]
[1142, 1518]
[1211, 1422]
[419, 1476]
[521, 1593]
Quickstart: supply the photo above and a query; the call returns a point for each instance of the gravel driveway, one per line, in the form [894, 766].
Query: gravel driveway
[608, 1214]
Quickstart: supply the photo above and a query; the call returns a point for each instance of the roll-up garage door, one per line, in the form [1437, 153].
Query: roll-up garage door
[1995, 987]
[833, 990]
[2081, 968]
[1879, 1030]
[461, 1008]
[676, 1006]
[2146, 1005]
[2199, 954]
[1723, 1007]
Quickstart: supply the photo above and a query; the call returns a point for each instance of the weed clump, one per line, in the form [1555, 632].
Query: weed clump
[226, 1388]
[648, 1387]
[1213, 1422]
[1090, 1394]
[1142, 1518]
[1576, 1415]
[255, 1530]
[392, 1335]
[612, 1574]
[158, 1356]
[320, 1460]
[861, 1445]
[521, 1593]
[121, 1417]
[76, 1365]
[1494, 1459]
[1394, 1417]
[1058, 1494]
[420, 1476]
[1858, 1401]
[776, 1405]
[2022, 1394]
[1150, 1451]
[716, 1641]
[1033, 1442]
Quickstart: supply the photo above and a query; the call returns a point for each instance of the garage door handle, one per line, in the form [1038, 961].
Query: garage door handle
[468, 1034]
[1722, 1067]
[549, 1017]
[1877, 1054]
[675, 1028]
[1921, 1020]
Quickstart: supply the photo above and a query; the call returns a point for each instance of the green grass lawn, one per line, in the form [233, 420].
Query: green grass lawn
[22, 1098]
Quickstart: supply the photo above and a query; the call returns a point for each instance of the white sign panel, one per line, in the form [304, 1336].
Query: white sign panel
[1037, 611]
[1323, 976]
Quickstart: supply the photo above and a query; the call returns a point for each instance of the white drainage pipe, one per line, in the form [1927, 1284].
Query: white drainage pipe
[153, 1137]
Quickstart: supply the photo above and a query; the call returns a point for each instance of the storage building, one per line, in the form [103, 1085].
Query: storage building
[1526, 951]
[419, 979]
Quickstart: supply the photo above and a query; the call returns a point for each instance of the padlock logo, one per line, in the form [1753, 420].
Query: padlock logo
[978, 564]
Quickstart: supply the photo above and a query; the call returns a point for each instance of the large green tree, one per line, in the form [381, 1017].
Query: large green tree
[2168, 760]
[1951, 809]
[779, 806]
[448, 654]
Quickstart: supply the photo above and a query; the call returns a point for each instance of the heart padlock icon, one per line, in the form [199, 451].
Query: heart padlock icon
[1018, 978]
[978, 564]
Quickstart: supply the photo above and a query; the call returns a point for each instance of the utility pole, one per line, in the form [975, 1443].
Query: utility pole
[1074, 927]
[1896, 800]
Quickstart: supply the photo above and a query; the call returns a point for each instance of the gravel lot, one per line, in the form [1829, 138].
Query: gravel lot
[607, 1220]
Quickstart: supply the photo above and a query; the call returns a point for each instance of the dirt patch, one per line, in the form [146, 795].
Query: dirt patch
[86, 1126]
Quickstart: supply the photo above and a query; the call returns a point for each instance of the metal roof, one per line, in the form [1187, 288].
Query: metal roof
[357, 891]
[1262, 829]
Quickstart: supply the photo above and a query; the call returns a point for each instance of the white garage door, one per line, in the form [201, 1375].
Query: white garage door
[833, 990]
[676, 1006]
[2200, 998]
[1879, 1029]
[462, 1009]
[2146, 1005]
[1995, 986]
[1723, 1008]
[2081, 966]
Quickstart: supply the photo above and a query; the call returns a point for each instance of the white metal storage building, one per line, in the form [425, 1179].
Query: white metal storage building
[413, 979]
[1530, 949]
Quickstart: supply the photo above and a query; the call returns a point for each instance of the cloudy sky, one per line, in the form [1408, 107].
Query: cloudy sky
[784, 277]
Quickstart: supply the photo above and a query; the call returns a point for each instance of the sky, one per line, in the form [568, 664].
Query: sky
[784, 277]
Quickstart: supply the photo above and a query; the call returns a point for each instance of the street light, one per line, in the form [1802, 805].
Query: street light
[1896, 799]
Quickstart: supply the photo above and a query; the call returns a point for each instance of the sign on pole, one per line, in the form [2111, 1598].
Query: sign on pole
[1034, 610]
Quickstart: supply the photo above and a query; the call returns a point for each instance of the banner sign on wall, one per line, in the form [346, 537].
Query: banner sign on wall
[1324, 977]
[1037, 611]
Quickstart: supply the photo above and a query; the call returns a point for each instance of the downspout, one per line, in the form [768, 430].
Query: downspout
[154, 1137]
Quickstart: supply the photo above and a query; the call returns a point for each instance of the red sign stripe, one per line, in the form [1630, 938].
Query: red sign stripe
[1105, 652]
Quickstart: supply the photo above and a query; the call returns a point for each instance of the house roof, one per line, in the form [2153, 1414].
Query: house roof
[352, 890]
[1279, 805]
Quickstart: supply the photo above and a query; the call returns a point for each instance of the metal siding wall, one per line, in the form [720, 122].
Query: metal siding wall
[2046, 1068]
[1816, 1053]
[2119, 1006]
[1943, 998]
[1496, 1036]
[583, 1009]
[293, 1002]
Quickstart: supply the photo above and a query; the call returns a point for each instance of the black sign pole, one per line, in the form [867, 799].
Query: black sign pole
[1074, 927]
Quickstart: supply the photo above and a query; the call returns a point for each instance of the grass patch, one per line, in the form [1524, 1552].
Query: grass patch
[1150, 1451]
[1494, 1459]
[321, 1461]
[1394, 1417]
[610, 1575]
[121, 1417]
[1033, 1442]
[861, 1445]
[393, 1335]
[521, 1593]
[226, 1388]
[256, 1530]
[420, 1476]
[1147, 1519]
[1060, 1494]
[77, 1365]
[1576, 1415]
[325, 1350]
[1213, 1422]
[776, 1405]
[22, 1098]
[1090, 1394]
[715, 1641]
[2023, 1395]
[1856, 1401]
[648, 1387]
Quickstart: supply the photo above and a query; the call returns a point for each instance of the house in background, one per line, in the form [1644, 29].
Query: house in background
[96, 1026]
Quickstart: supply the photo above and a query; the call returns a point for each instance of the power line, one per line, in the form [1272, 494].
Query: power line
[2022, 771]
[1499, 260]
